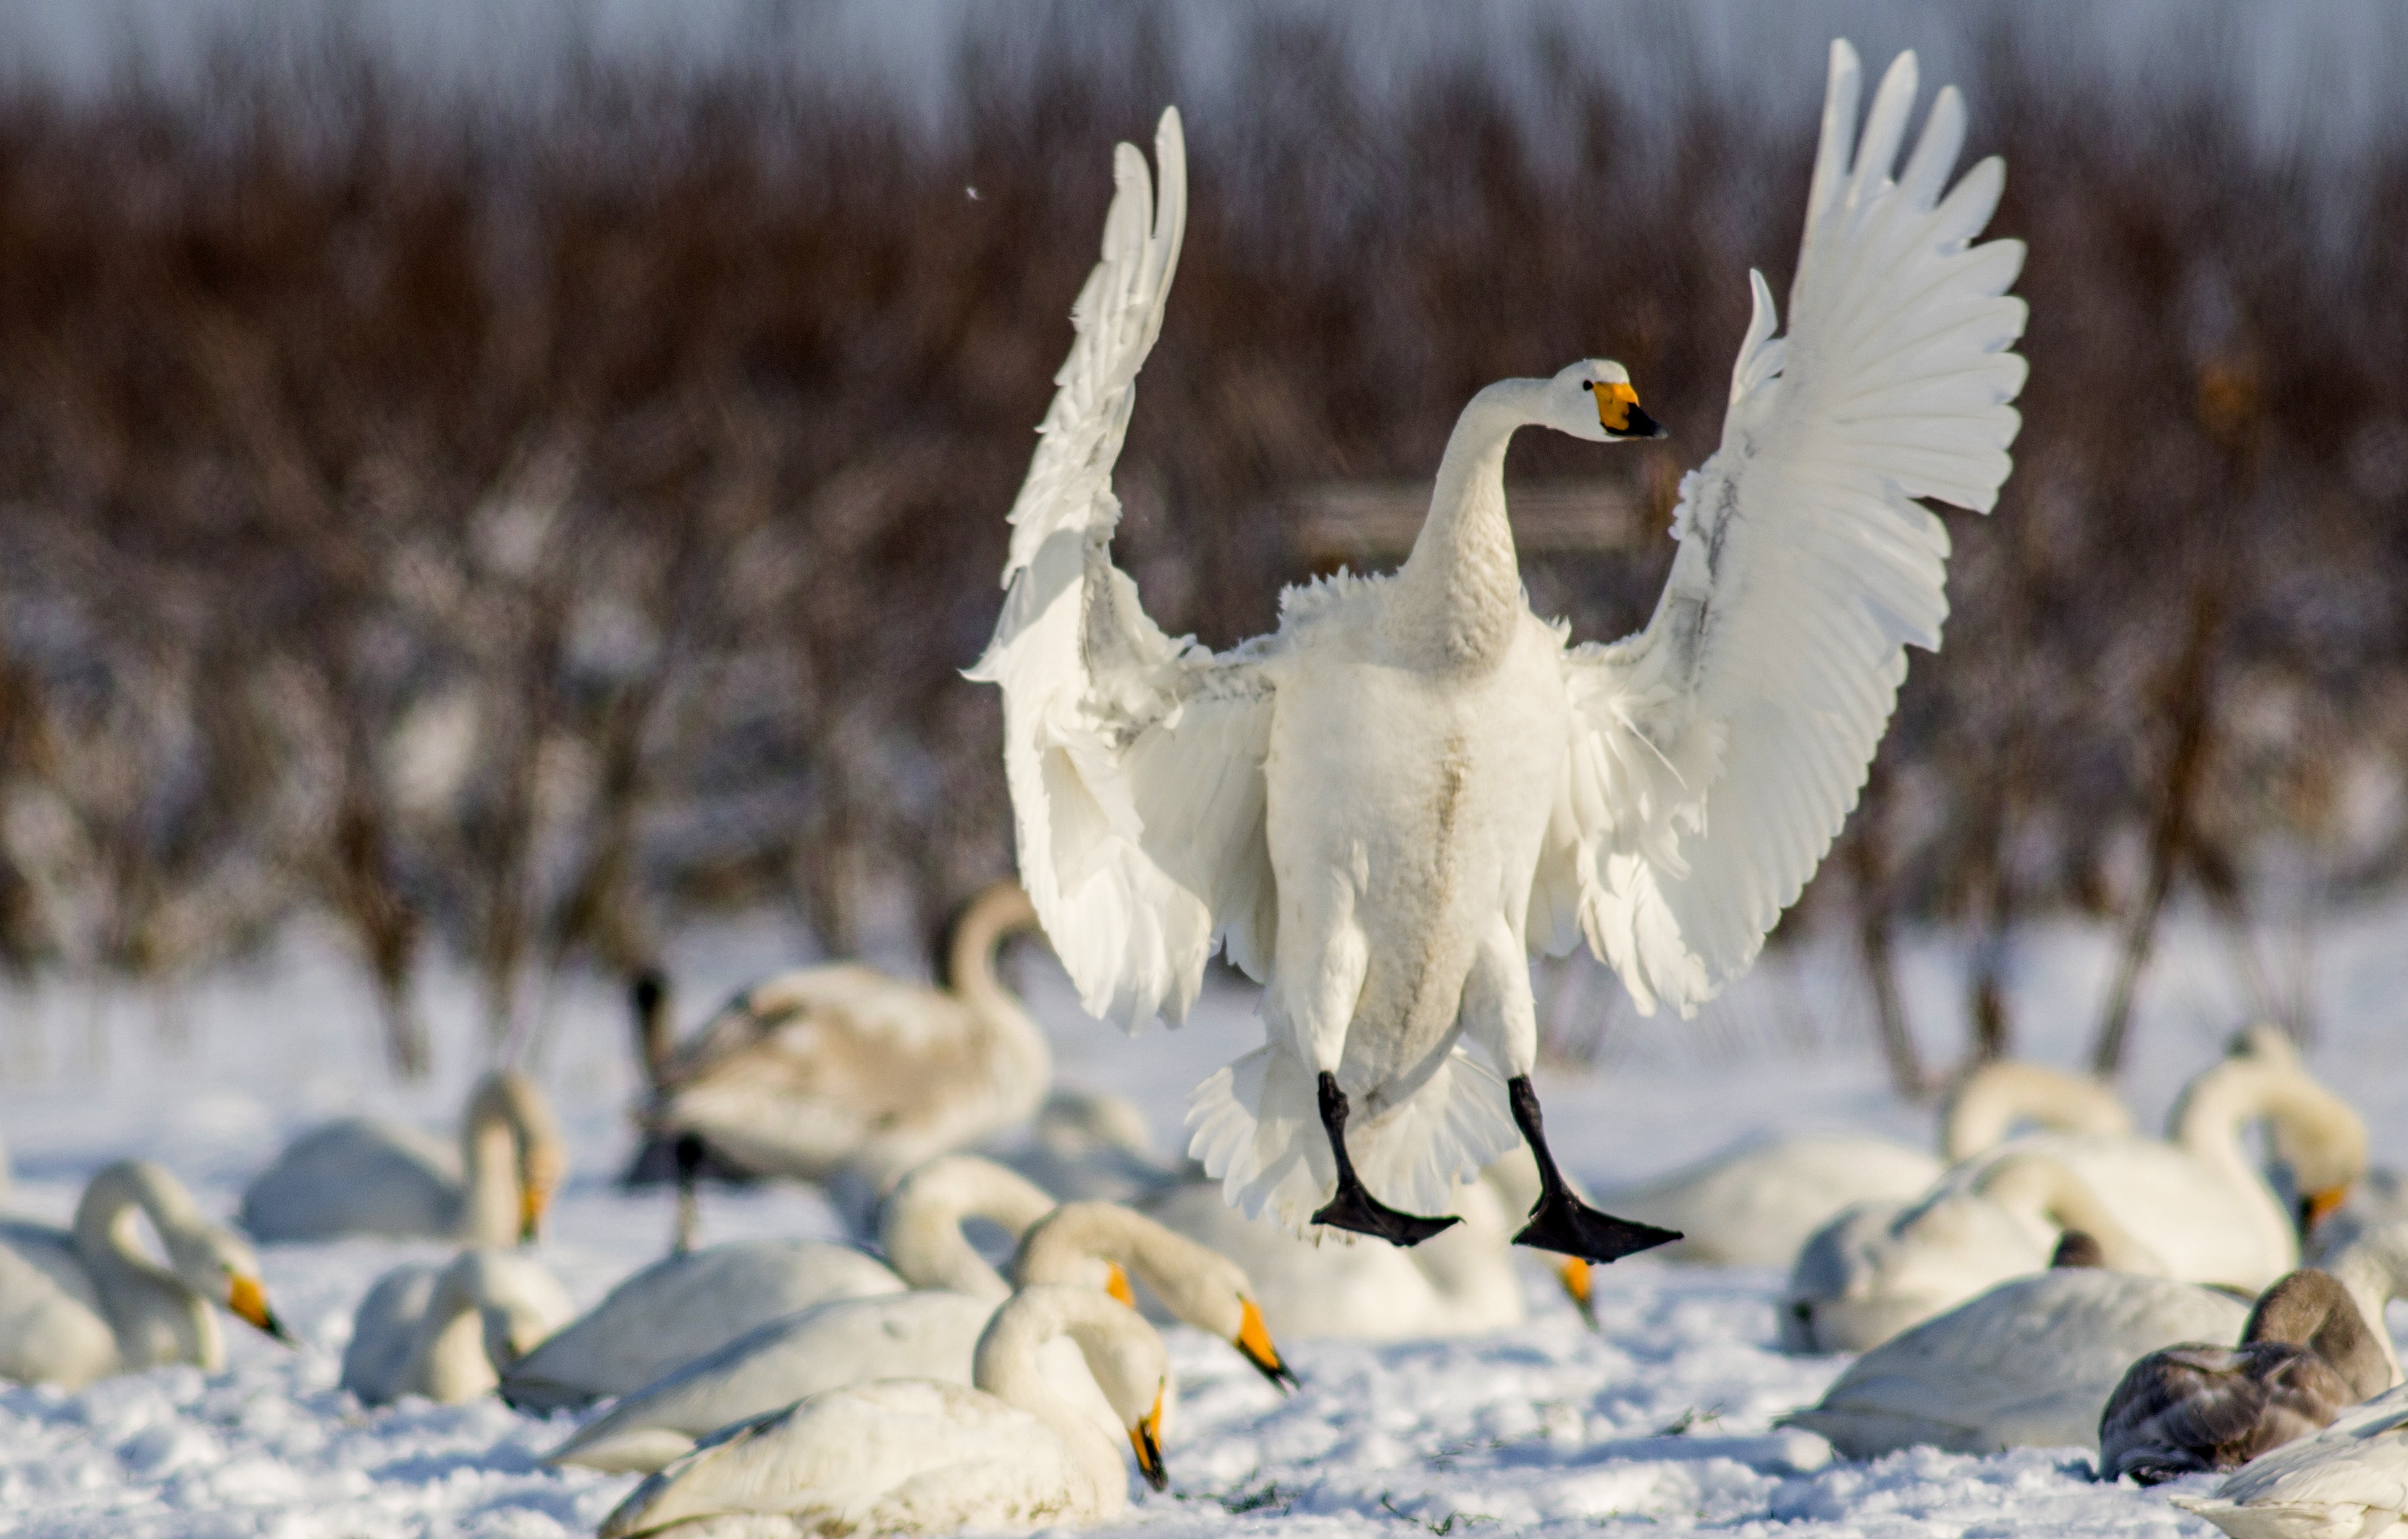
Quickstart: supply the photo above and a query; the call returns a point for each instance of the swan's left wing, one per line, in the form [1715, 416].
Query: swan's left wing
[1135, 761]
[1715, 754]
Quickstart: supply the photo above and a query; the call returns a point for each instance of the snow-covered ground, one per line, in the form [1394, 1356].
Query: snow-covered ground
[1659, 1423]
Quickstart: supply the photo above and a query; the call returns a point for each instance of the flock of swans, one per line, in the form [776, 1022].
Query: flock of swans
[1378, 812]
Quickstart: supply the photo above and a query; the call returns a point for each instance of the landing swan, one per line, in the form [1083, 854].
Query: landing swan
[1384, 808]
[824, 1068]
[364, 1175]
[2306, 1355]
[1758, 1204]
[80, 1303]
[2032, 1361]
[1872, 1272]
[444, 1330]
[693, 1302]
[927, 1334]
[923, 1456]
[2349, 1481]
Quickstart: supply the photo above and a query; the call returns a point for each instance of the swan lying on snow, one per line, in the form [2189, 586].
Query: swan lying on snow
[922, 1456]
[2306, 1355]
[444, 1331]
[1384, 808]
[2349, 1481]
[928, 1334]
[2193, 1208]
[365, 1176]
[828, 1068]
[696, 1301]
[81, 1303]
[1758, 1205]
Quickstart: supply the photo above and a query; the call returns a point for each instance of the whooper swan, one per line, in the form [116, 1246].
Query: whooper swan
[364, 1175]
[80, 1303]
[924, 1456]
[694, 1303]
[1379, 810]
[824, 1068]
[444, 1331]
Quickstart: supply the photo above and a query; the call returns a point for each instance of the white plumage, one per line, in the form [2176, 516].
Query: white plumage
[445, 1330]
[1382, 809]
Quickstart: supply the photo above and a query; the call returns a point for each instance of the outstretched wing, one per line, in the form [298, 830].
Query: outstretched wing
[1135, 761]
[1715, 754]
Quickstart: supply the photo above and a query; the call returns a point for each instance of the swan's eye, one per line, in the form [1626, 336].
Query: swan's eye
[1588, 384]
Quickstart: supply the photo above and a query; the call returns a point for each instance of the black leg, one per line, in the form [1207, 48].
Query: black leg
[691, 1155]
[1562, 1222]
[1353, 1207]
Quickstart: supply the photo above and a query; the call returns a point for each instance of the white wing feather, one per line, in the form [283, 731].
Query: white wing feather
[1716, 754]
[1135, 761]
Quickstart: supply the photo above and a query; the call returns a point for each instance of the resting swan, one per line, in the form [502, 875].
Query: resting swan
[927, 1334]
[922, 1456]
[81, 1303]
[444, 1330]
[1756, 1205]
[1874, 1270]
[1382, 808]
[825, 1067]
[364, 1175]
[696, 1301]
[2306, 1355]
[2349, 1481]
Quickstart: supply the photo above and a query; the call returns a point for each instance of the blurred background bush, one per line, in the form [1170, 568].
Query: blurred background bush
[516, 519]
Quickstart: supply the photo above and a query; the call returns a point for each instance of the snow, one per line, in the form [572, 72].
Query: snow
[1660, 1423]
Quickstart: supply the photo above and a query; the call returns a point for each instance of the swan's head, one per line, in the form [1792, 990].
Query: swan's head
[217, 1264]
[1593, 399]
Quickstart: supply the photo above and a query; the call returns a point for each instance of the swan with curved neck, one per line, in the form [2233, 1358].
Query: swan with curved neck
[364, 1175]
[1986, 1104]
[841, 1067]
[690, 1304]
[81, 1303]
[1379, 810]
[922, 1456]
[927, 1334]
[445, 1332]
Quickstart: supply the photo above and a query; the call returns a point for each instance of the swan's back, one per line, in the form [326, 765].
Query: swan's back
[681, 1307]
[2342, 1480]
[2029, 1363]
[1758, 1205]
[2190, 1409]
[384, 1331]
[359, 1175]
[900, 1456]
[52, 1328]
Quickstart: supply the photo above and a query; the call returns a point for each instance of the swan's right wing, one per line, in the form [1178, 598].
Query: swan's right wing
[1135, 761]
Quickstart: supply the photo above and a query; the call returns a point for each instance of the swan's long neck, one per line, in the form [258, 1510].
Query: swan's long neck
[921, 1230]
[2045, 1189]
[452, 1361]
[1201, 1287]
[1022, 1058]
[490, 1158]
[1005, 1366]
[155, 1318]
[1988, 1102]
[2208, 1119]
[1458, 596]
[2373, 1266]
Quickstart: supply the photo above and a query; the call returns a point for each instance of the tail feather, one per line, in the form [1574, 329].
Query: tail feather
[1257, 1131]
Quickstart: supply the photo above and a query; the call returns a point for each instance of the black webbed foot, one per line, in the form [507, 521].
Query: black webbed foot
[1561, 1222]
[1353, 1207]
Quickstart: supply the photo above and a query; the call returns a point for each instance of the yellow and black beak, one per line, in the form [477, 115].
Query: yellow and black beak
[1146, 1438]
[1116, 1283]
[1574, 1272]
[1618, 413]
[1254, 1341]
[2315, 1207]
[249, 1301]
[531, 1198]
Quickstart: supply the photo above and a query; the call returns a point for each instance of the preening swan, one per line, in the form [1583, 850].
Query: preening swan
[1875, 1270]
[824, 1068]
[1384, 808]
[444, 1330]
[925, 1334]
[2349, 1481]
[364, 1175]
[80, 1303]
[2306, 1355]
[694, 1303]
[922, 1456]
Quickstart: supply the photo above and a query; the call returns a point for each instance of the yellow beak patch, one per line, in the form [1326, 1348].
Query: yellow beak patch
[531, 1198]
[1146, 1438]
[2321, 1205]
[1613, 404]
[1574, 1272]
[1116, 1283]
[1254, 1341]
[248, 1301]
